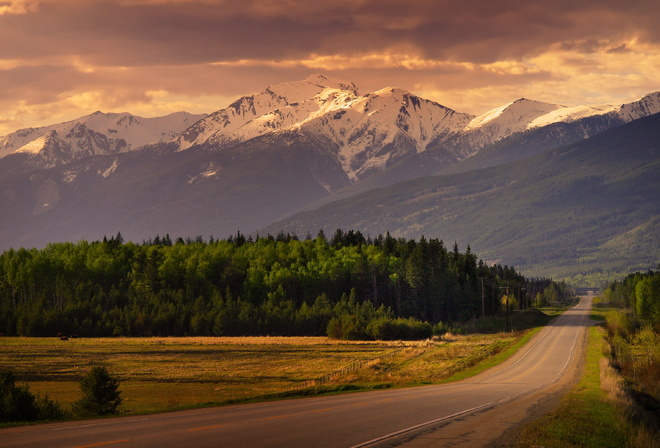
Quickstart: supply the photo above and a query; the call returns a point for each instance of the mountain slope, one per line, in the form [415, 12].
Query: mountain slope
[573, 209]
[512, 132]
[558, 127]
[184, 193]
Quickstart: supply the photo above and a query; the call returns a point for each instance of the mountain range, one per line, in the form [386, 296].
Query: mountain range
[303, 146]
[95, 134]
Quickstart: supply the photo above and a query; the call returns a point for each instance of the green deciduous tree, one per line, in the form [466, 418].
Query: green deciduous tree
[242, 286]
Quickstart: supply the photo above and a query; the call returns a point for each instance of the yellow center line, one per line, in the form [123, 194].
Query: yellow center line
[103, 443]
[324, 410]
[359, 404]
[274, 417]
[547, 353]
[205, 427]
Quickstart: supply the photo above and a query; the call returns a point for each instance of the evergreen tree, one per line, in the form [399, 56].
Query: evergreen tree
[18, 404]
[101, 394]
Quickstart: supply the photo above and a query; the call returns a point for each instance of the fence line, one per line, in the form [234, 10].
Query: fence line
[349, 368]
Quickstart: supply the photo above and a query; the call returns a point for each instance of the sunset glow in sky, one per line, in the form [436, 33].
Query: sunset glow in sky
[62, 59]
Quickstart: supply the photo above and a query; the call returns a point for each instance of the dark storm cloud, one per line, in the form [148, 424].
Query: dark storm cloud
[151, 33]
[170, 34]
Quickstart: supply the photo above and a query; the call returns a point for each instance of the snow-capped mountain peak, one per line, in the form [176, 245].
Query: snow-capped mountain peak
[310, 87]
[362, 133]
[646, 105]
[278, 107]
[366, 132]
[376, 130]
[96, 133]
[514, 116]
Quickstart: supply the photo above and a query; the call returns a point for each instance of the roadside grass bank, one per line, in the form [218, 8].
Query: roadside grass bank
[597, 412]
[165, 374]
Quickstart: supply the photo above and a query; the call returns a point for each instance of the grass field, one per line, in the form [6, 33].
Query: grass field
[166, 373]
[160, 374]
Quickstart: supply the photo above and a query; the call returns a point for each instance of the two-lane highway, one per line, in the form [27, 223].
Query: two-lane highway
[352, 420]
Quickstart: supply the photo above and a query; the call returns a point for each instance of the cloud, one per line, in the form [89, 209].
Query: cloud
[132, 33]
[17, 7]
[62, 56]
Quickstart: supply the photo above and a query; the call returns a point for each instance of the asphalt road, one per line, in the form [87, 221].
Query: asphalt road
[378, 418]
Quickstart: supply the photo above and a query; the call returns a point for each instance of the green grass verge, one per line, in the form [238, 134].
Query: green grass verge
[585, 417]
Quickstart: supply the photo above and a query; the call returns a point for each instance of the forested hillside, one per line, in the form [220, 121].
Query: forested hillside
[347, 286]
[589, 207]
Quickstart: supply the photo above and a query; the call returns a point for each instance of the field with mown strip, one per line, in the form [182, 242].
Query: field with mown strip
[165, 373]
[160, 374]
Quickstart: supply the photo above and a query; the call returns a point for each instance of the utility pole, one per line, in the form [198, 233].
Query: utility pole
[492, 297]
[483, 306]
[506, 305]
[508, 325]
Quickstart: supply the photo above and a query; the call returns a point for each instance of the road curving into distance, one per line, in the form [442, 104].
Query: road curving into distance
[471, 413]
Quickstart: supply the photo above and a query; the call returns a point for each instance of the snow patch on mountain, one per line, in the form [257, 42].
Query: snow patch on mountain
[111, 169]
[524, 114]
[570, 114]
[34, 146]
[643, 107]
[208, 171]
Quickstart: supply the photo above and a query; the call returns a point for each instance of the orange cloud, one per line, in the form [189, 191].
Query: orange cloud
[18, 7]
[471, 56]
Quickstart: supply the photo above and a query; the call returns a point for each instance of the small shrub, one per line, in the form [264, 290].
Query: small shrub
[50, 410]
[101, 395]
[18, 404]
[409, 329]
[619, 323]
[440, 329]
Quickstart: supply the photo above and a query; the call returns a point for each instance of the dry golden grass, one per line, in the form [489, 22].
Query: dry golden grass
[160, 374]
[165, 373]
[432, 362]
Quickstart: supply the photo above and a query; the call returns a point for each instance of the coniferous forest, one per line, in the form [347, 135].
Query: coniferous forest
[347, 286]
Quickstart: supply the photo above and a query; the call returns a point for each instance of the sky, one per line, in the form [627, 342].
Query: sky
[63, 59]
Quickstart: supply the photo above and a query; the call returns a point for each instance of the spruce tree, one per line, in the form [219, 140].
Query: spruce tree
[101, 394]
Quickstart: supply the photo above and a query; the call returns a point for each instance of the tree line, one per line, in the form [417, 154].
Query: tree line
[633, 333]
[639, 292]
[346, 286]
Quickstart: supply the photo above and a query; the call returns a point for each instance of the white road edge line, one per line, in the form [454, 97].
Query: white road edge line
[477, 408]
